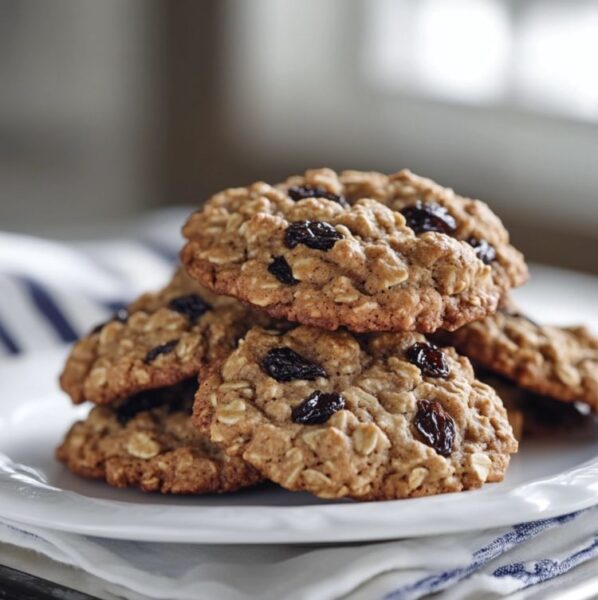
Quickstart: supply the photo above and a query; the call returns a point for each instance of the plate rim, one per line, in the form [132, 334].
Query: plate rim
[22, 491]
[531, 501]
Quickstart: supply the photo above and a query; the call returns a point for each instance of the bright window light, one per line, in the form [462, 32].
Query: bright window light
[558, 59]
[456, 49]
[539, 55]
[462, 47]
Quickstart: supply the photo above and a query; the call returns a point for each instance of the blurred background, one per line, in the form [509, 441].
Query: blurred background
[111, 109]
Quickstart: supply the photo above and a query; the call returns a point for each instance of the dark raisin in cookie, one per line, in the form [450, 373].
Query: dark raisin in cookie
[431, 207]
[357, 417]
[398, 253]
[166, 338]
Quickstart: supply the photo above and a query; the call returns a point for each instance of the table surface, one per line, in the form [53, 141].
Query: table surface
[26, 575]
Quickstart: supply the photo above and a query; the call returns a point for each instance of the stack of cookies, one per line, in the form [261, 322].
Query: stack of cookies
[319, 335]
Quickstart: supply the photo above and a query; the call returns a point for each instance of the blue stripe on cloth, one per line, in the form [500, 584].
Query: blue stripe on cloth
[46, 305]
[8, 341]
[517, 535]
[115, 305]
[534, 572]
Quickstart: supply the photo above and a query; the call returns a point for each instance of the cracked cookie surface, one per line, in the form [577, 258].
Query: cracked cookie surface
[378, 416]
[559, 362]
[155, 450]
[326, 250]
[164, 338]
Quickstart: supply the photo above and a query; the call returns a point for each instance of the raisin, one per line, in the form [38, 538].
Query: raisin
[436, 427]
[281, 269]
[121, 315]
[483, 249]
[300, 192]
[284, 364]
[313, 234]
[192, 306]
[430, 359]
[429, 216]
[177, 397]
[317, 408]
[162, 349]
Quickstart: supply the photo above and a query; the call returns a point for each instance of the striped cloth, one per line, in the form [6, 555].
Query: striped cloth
[51, 293]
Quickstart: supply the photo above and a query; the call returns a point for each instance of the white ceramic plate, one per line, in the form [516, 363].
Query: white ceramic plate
[546, 478]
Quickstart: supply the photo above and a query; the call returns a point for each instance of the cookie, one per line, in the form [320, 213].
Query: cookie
[532, 415]
[156, 449]
[371, 417]
[473, 220]
[319, 250]
[559, 362]
[164, 338]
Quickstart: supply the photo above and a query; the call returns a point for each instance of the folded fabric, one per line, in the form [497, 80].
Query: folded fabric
[497, 562]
